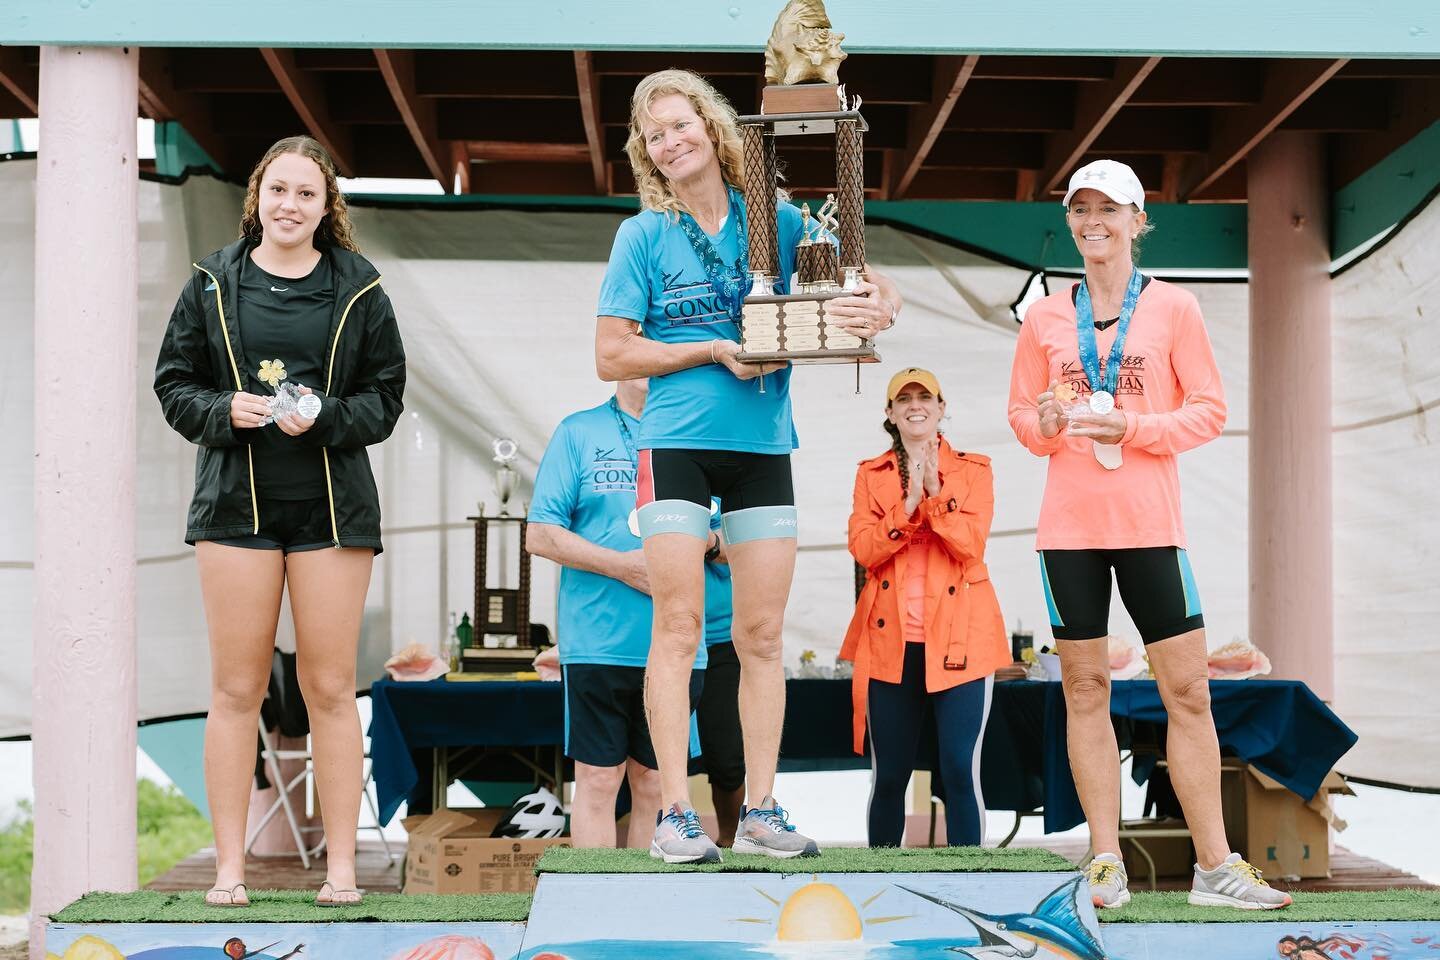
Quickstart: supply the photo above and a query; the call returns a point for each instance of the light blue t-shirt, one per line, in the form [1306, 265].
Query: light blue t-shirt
[656, 279]
[586, 484]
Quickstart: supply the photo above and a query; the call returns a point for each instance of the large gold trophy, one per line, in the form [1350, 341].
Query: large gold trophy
[803, 97]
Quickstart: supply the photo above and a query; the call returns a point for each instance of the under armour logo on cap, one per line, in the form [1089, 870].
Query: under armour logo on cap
[1112, 178]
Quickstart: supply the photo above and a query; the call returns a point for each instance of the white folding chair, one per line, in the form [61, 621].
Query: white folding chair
[272, 758]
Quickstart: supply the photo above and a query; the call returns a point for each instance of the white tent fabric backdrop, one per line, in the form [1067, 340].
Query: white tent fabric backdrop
[496, 309]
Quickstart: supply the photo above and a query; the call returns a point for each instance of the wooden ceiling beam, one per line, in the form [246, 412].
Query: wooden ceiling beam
[1095, 106]
[588, 85]
[17, 76]
[1390, 69]
[1143, 130]
[639, 63]
[460, 166]
[418, 114]
[948, 79]
[573, 179]
[1016, 106]
[162, 100]
[1184, 82]
[510, 74]
[1288, 84]
[506, 151]
[1045, 68]
[307, 96]
[964, 185]
[1414, 106]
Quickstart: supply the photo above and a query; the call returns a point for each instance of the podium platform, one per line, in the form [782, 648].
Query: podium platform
[845, 905]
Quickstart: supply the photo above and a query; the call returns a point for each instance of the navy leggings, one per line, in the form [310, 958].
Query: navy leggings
[897, 712]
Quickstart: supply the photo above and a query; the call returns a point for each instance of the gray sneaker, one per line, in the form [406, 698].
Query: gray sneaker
[1235, 884]
[766, 829]
[1109, 886]
[679, 838]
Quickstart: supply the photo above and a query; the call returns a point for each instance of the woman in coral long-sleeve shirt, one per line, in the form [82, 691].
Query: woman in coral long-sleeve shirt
[1113, 377]
[927, 635]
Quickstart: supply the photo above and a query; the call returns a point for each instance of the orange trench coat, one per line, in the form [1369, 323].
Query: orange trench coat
[964, 629]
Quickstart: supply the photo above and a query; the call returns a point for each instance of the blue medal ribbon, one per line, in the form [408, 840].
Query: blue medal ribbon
[728, 281]
[625, 436]
[1085, 334]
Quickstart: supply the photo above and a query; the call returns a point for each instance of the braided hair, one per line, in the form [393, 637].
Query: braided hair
[901, 457]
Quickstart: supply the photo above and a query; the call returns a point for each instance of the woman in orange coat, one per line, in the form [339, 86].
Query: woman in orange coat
[927, 634]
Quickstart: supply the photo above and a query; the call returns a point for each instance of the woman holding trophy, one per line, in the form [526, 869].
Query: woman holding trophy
[284, 496]
[714, 426]
[1111, 431]
[927, 635]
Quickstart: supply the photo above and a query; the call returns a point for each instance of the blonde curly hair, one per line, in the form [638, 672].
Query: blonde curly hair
[335, 229]
[720, 124]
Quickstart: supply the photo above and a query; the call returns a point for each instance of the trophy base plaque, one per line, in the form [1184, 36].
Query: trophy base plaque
[794, 327]
[495, 660]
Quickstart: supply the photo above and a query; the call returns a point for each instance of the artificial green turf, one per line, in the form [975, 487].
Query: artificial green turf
[831, 860]
[292, 906]
[1339, 906]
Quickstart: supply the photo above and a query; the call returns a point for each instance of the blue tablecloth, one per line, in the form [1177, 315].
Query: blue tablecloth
[1278, 726]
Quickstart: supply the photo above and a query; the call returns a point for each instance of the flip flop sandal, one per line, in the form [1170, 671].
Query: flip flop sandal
[338, 897]
[221, 897]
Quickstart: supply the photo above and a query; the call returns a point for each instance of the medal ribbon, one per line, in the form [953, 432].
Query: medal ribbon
[625, 436]
[1085, 333]
[726, 280]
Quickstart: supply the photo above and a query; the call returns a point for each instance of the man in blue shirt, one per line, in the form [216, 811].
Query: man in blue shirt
[580, 518]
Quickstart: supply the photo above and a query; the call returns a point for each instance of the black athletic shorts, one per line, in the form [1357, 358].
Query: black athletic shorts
[605, 713]
[721, 747]
[293, 526]
[741, 480]
[1155, 583]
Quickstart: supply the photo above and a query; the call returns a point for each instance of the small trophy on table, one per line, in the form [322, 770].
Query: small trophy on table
[501, 641]
[803, 97]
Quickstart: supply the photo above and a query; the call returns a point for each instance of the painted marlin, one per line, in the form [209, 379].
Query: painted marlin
[1054, 926]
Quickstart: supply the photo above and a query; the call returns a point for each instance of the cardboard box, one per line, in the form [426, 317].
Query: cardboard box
[1174, 856]
[1283, 834]
[453, 852]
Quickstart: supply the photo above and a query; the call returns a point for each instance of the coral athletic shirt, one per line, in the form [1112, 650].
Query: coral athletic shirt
[917, 568]
[1172, 398]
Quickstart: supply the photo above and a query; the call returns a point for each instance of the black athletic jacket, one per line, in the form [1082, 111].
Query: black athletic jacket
[197, 374]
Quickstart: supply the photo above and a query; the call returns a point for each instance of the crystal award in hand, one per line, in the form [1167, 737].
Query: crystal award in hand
[288, 399]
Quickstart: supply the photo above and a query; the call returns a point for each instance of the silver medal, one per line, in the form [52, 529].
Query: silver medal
[308, 406]
[1102, 402]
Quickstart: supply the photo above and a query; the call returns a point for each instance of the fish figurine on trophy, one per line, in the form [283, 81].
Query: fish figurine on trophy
[794, 327]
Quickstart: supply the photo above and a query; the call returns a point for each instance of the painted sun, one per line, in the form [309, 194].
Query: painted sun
[819, 911]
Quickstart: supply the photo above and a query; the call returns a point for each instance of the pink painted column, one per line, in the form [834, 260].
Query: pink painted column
[86, 297]
[1291, 587]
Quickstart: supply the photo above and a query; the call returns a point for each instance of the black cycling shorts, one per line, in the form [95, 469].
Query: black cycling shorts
[1156, 586]
[293, 526]
[605, 713]
[740, 480]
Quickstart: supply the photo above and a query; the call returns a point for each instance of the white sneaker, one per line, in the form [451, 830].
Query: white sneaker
[1109, 886]
[1235, 883]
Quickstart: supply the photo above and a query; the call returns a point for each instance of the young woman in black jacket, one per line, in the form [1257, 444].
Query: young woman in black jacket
[288, 501]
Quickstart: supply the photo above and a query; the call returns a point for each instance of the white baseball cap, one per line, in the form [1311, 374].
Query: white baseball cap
[1111, 177]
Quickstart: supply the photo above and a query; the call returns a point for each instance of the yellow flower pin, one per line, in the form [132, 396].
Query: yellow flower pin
[272, 372]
